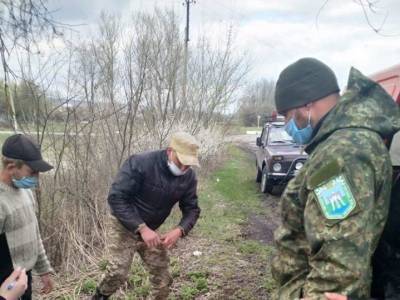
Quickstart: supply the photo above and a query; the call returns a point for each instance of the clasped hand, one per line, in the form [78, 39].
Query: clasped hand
[152, 239]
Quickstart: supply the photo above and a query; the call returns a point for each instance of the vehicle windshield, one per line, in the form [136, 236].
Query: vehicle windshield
[278, 135]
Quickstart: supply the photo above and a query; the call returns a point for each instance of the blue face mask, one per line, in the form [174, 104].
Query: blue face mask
[27, 182]
[300, 136]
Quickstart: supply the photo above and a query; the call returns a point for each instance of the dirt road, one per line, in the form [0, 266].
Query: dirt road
[261, 226]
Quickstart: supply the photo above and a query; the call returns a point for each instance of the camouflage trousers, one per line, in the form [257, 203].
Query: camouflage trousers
[123, 244]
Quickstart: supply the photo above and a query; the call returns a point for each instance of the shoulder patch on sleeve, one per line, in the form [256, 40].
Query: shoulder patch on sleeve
[335, 198]
[323, 174]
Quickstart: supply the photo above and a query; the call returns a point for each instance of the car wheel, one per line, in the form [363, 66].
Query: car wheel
[259, 174]
[264, 185]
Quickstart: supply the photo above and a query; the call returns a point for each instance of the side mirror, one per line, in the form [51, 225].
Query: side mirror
[258, 142]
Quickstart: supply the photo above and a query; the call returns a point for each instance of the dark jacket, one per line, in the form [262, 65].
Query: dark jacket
[386, 260]
[145, 191]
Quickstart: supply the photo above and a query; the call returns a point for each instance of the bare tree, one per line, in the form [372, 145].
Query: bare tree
[369, 9]
[257, 100]
[22, 24]
[215, 78]
[159, 43]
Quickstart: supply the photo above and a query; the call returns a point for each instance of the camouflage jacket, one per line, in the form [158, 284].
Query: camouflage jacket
[334, 210]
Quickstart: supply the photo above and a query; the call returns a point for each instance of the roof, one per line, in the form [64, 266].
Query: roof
[389, 79]
[275, 124]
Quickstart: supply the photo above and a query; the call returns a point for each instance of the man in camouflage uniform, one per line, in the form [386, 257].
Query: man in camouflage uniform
[146, 188]
[334, 210]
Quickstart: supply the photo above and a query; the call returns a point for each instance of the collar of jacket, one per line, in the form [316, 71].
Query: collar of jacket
[163, 162]
[315, 131]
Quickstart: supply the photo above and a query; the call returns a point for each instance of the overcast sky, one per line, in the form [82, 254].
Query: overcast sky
[274, 33]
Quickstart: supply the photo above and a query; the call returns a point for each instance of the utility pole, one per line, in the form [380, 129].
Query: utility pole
[186, 58]
[187, 4]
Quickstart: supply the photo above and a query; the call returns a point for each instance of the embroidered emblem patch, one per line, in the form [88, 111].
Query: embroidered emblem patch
[335, 198]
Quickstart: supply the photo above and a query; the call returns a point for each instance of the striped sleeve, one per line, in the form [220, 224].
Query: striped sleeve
[42, 265]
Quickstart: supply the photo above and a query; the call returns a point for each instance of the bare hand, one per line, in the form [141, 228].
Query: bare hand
[47, 283]
[15, 285]
[334, 296]
[150, 237]
[169, 239]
